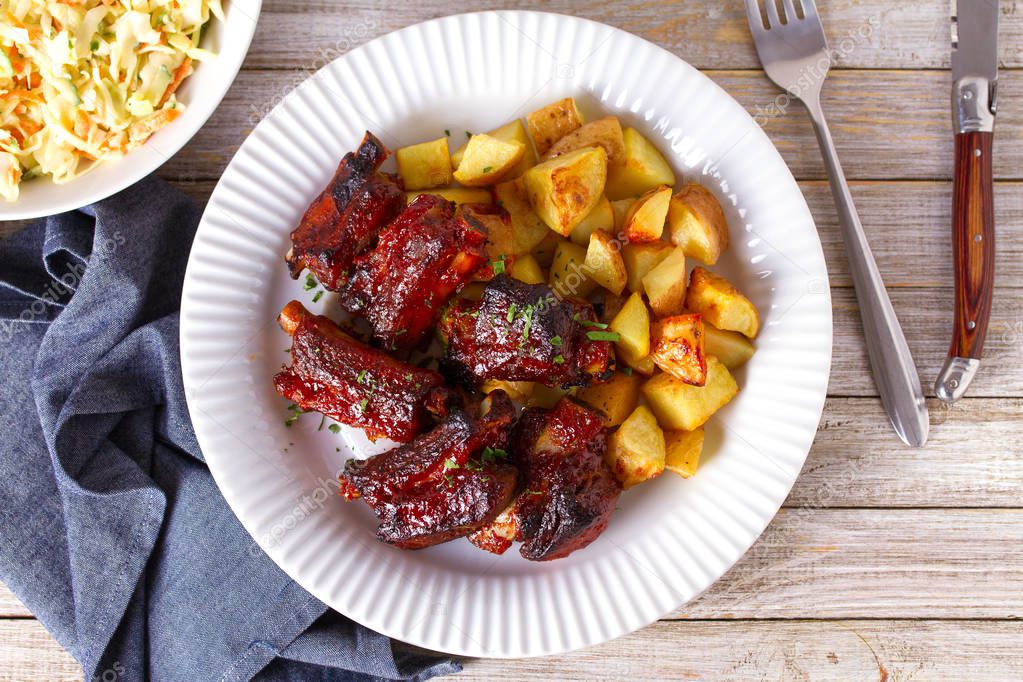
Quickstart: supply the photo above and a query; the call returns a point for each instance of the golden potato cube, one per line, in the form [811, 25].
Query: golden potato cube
[498, 228]
[425, 165]
[640, 258]
[644, 221]
[604, 132]
[604, 262]
[459, 195]
[552, 122]
[731, 348]
[569, 275]
[519, 391]
[528, 230]
[632, 323]
[526, 269]
[564, 190]
[677, 347]
[665, 284]
[697, 223]
[544, 396]
[679, 405]
[509, 132]
[721, 304]
[636, 451]
[487, 160]
[602, 217]
[644, 365]
[682, 451]
[644, 169]
[616, 399]
[620, 209]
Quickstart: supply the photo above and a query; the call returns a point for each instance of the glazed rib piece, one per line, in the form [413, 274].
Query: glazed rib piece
[345, 218]
[443, 485]
[335, 374]
[421, 260]
[569, 491]
[523, 332]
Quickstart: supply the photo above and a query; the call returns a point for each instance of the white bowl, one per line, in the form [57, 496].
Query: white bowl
[200, 93]
[670, 538]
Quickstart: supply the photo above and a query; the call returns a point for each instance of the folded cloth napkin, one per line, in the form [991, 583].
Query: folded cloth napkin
[112, 530]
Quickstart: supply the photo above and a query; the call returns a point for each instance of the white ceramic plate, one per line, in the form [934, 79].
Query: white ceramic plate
[670, 538]
[200, 93]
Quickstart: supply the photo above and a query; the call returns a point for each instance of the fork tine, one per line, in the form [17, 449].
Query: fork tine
[790, 11]
[810, 10]
[753, 15]
[773, 19]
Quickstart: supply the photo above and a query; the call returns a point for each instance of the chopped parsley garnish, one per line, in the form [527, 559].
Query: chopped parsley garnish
[468, 135]
[361, 378]
[529, 323]
[527, 491]
[450, 463]
[627, 371]
[511, 312]
[487, 169]
[310, 282]
[447, 133]
[408, 376]
[364, 404]
[493, 454]
[334, 428]
[589, 323]
[604, 336]
[296, 412]
[559, 359]
[318, 295]
[498, 266]
[555, 341]
[323, 420]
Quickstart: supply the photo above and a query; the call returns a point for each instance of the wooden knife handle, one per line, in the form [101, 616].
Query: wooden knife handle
[973, 241]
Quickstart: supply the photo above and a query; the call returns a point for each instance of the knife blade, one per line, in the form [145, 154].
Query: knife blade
[974, 103]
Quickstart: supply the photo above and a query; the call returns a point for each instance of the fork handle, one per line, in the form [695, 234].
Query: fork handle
[891, 361]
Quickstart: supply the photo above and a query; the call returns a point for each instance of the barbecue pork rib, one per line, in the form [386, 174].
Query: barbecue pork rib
[335, 374]
[422, 258]
[523, 332]
[443, 485]
[345, 218]
[569, 491]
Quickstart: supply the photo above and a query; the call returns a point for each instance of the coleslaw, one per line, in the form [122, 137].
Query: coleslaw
[84, 81]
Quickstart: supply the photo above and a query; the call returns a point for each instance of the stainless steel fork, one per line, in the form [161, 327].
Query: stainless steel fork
[791, 44]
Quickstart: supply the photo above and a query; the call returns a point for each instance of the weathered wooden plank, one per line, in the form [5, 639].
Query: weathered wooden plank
[886, 124]
[29, 652]
[800, 650]
[867, 34]
[926, 317]
[674, 650]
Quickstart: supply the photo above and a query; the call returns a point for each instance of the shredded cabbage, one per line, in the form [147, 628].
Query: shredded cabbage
[84, 81]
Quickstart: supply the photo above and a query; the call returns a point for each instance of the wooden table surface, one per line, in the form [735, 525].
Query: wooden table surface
[886, 562]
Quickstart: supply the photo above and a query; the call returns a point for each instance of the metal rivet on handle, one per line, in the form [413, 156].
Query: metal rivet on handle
[977, 152]
[977, 238]
[971, 325]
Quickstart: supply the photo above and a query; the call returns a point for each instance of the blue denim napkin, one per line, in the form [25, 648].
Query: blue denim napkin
[112, 530]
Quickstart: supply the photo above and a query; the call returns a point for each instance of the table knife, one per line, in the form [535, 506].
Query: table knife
[974, 93]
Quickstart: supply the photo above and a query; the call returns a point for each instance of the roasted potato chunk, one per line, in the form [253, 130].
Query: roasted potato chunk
[528, 230]
[459, 195]
[544, 396]
[640, 258]
[604, 132]
[681, 406]
[632, 324]
[697, 223]
[564, 190]
[604, 262]
[549, 124]
[487, 160]
[677, 347]
[731, 348]
[643, 170]
[721, 304]
[526, 269]
[636, 451]
[616, 399]
[425, 165]
[545, 251]
[620, 209]
[602, 217]
[509, 132]
[665, 284]
[644, 222]
[519, 391]
[682, 451]
[569, 275]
